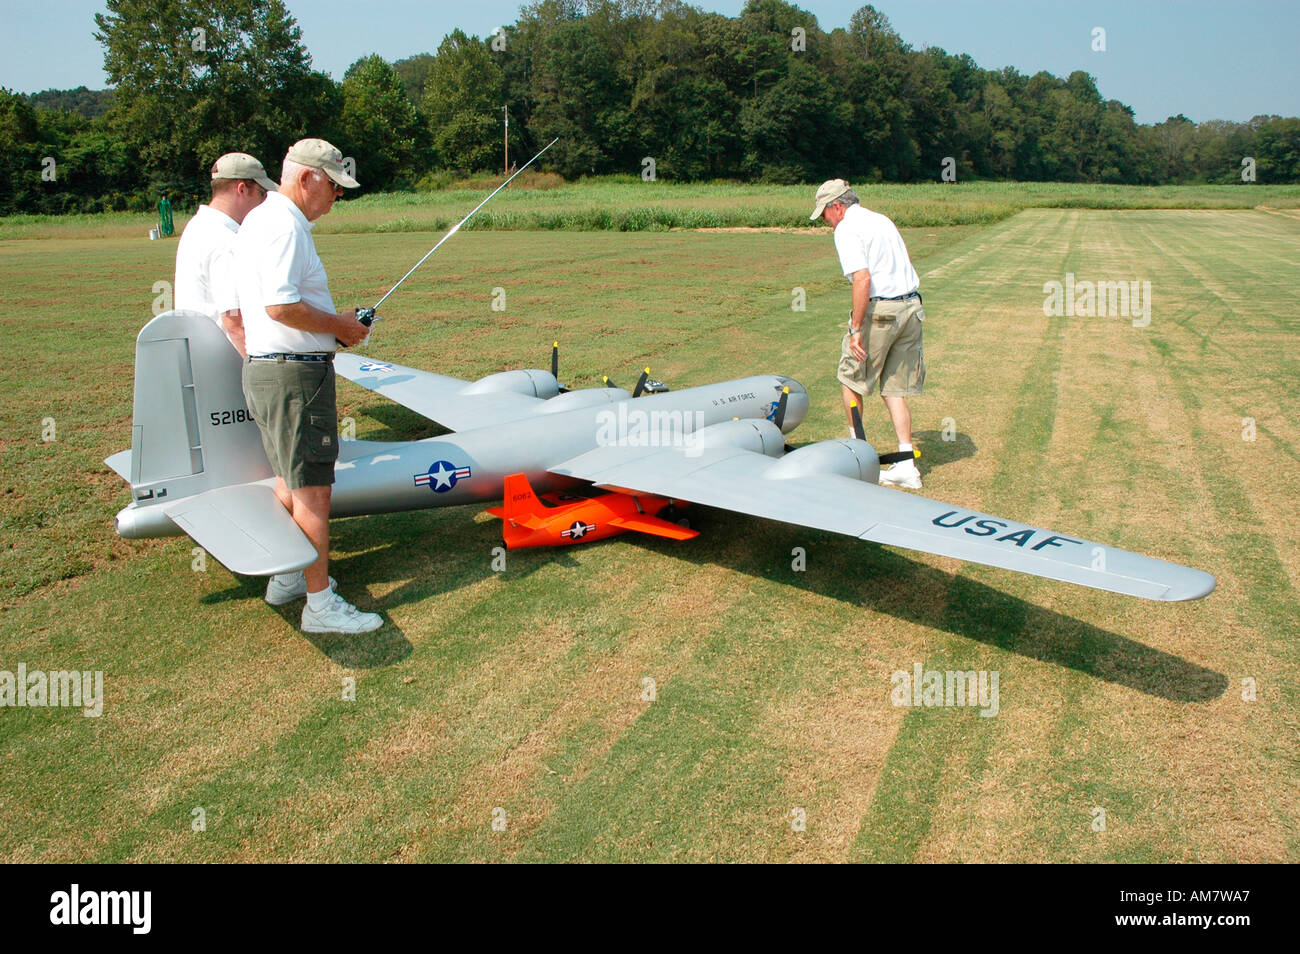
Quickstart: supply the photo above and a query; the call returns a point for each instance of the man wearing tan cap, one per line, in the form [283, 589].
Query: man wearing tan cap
[205, 280]
[883, 342]
[291, 329]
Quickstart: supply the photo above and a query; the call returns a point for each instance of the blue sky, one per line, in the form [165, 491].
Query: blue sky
[1207, 60]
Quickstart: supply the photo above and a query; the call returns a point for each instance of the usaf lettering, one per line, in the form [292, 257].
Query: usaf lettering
[988, 526]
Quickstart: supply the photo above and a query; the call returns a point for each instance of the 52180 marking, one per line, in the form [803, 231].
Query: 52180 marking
[231, 417]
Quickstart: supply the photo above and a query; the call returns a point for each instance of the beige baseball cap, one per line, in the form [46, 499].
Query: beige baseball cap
[319, 154]
[828, 192]
[240, 165]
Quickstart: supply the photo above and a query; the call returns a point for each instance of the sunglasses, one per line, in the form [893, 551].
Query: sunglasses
[338, 189]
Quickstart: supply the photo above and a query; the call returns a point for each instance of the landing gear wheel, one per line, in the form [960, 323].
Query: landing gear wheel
[674, 515]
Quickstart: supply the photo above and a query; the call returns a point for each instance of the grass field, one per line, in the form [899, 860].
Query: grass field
[519, 695]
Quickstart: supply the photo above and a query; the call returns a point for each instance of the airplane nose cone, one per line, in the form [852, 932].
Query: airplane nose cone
[796, 408]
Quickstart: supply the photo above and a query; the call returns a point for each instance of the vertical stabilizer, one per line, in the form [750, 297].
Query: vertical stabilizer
[190, 429]
[519, 499]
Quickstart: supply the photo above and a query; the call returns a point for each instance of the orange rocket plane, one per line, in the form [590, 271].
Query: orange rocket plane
[558, 519]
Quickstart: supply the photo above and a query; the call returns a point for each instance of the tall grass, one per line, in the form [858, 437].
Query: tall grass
[627, 204]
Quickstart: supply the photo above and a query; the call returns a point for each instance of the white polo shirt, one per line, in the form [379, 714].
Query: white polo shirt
[866, 239]
[276, 264]
[205, 255]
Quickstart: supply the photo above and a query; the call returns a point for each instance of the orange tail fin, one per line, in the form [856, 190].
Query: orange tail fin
[519, 498]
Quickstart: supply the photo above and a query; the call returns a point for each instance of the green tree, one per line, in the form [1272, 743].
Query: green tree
[463, 96]
[197, 78]
[1277, 150]
[581, 96]
[20, 155]
[380, 125]
[414, 73]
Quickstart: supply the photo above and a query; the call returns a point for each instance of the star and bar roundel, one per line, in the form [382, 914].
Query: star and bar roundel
[442, 476]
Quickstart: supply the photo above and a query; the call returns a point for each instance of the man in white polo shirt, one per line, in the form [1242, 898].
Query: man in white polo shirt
[205, 280]
[291, 329]
[883, 342]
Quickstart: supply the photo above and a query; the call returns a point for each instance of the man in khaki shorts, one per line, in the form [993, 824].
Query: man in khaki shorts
[291, 330]
[883, 342]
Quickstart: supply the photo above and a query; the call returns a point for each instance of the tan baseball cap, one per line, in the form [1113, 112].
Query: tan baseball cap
[319, 154]
[828, 192]
[240, 165]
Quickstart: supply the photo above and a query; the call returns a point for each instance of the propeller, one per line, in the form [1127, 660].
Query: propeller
[858, 432]
[555, 366]
[896, 457]
[779, 417]
[644, 384]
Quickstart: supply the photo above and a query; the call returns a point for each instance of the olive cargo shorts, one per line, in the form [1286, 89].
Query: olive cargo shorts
[294, 405]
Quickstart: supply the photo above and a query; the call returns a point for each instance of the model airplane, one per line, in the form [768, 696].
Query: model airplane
[196, 466]
[574, 518]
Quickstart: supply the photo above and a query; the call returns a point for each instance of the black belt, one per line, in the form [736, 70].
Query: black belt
[912, 294]
[285, 356]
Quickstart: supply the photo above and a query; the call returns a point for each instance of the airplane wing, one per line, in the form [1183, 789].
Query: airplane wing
[739, 480]
[451, 402]
[246, 528]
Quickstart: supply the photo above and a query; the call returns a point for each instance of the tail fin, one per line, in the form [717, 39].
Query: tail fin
[520, 505]
[191, 430]
[521, 512]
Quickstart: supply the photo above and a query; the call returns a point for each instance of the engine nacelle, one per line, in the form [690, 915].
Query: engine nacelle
[759, 436]
[847, 458]
[587, 397]
[529, 381]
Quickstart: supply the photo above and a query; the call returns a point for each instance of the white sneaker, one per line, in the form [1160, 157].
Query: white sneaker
[902, 474]
[278, 593]
[339, 616]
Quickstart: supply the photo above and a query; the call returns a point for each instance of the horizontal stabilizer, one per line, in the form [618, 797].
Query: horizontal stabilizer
[644, 523]
[120, 464]
[246, 528]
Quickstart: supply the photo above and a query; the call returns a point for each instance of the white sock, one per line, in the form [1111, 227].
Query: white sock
[904, 447]
[318, 601]
[288, 579]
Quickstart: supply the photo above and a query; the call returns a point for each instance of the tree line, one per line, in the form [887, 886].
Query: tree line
[627, 85]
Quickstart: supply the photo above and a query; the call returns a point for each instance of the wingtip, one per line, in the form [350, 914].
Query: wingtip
[1198, 585]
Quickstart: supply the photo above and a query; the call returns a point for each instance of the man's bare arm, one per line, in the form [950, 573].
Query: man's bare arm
[861, 297]
[304, 317]
[861, 301]
[233, 322]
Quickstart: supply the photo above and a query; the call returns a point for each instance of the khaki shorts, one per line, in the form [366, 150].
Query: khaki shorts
[294, 405]
[895, 357]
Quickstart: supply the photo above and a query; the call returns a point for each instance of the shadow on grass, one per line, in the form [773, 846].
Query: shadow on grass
[401, 424]
[433, 552]
[427, 553]
[935, 451]
[886, 582]
[383, 647]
